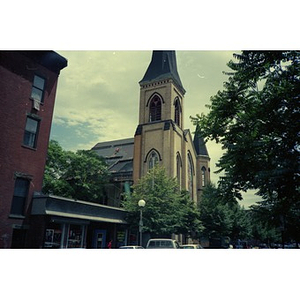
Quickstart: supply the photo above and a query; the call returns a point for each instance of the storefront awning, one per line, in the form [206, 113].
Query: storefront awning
[85, 217]
[69, 208]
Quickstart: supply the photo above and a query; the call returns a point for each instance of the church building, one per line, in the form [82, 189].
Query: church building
[160, 136]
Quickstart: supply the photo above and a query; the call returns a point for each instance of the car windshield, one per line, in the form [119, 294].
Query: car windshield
[160, 244]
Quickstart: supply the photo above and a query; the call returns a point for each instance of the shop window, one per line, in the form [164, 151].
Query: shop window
[20, 196]
[75, 236]
[53, 236]
[31, 132]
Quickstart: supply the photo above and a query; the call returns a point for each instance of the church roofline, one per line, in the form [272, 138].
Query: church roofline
[113, 143]
[200, 145]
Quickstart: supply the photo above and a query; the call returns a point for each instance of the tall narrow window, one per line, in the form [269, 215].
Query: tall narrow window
[178, 169]
[177, 112]
[190, 176]
[31, 131]
[20, 196]
[153, 159]
[38, 88]
[203, 176]
[155, 109]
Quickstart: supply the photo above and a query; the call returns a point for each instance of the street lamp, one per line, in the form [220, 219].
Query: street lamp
[141, 204]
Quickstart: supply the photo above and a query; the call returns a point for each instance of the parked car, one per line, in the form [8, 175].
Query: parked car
[162, 244]
[191, 246]
[131, 247]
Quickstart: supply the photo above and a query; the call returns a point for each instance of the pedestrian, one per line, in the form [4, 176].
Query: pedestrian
[109, 244]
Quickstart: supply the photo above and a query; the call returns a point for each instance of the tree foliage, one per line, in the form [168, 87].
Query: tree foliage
[167, 209]
[222, 218]
[79, 175]
[256, 120]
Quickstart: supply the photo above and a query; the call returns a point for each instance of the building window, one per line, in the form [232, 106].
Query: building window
[31, 131]
[20, 196]
[75, 236]
[155, 109]
[177, 112]
[190, 176]
[178, 169]
[153, 159]
[53, 236]
[203, 176]
[38, 88]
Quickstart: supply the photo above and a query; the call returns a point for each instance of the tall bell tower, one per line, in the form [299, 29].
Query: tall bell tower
[160, 137]
[161, 90]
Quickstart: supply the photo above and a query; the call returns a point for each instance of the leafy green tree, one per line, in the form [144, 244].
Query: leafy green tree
[277, 225]
[266, 225]
[222, 218]
[215, 215]
[241, 225]
[256, 120]
[167, 210]
[56, 167]
[81, 175]
[292, 224]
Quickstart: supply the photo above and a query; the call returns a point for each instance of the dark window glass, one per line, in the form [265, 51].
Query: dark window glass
[155, 109]
[153, 159]
[177, 113]
[20, 196]
[203, 176]
[178, 169]
[38, 88]
[31, 130]
[190, 176]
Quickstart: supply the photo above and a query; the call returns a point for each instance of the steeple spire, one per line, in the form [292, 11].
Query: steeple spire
[163, 66]
[199, 143]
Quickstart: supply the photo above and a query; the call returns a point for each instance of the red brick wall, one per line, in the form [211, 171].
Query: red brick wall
[16, 77]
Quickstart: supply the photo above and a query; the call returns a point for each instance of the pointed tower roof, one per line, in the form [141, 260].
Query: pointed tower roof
[163, 66]
[199, 144]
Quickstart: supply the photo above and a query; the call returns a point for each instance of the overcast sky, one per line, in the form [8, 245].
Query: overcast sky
[98, 95]
[90, 109]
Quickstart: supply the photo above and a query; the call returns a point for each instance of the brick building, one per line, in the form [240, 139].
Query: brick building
[28, 82]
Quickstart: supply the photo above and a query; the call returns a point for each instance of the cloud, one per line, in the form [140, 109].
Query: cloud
[100, 88]
[98, 94]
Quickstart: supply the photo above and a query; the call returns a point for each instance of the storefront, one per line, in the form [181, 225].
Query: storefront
[68, 223]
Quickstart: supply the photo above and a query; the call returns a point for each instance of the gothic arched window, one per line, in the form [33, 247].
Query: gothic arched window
[155, 109]
[153, 159]
[203, 176]
[178, 169]
[190, 176]
[177, 112]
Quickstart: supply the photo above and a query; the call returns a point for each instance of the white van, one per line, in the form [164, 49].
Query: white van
[162, 244]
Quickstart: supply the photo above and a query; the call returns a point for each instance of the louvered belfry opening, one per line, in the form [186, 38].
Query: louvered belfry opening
[155, 109]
